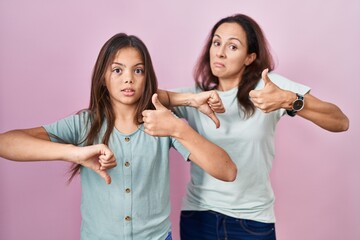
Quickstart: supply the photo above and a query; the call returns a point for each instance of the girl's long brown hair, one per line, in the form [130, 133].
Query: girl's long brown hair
[100, 107]
[257, 43]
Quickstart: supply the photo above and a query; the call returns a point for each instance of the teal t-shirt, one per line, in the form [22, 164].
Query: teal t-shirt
[250, 144]
[136, 205]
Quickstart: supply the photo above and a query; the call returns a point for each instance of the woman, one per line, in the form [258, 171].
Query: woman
[110, 140]
[236, 66]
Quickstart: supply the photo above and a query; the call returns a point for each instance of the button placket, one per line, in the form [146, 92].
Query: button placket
[127, 170]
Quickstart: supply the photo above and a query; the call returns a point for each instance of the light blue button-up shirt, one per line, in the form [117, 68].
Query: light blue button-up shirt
[136, 205]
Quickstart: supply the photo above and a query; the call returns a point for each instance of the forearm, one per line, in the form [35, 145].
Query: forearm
[326, 115]
[18, 145]
[172, 99]
[207, 155]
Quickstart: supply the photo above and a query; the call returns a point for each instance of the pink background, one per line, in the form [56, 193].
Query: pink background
[47, 51]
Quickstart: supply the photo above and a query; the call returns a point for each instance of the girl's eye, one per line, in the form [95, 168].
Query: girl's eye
[139, 71]
[116, 70]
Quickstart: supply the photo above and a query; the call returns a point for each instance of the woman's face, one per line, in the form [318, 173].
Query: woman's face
[228, 53]
[125, 77]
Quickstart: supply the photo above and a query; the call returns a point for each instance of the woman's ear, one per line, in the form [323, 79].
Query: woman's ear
[250, 58]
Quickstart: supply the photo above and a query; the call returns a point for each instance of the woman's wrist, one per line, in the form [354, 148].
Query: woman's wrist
[290, 97]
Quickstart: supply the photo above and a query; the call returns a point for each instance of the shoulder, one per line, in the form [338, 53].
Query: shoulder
[284, 83]
[76, 120]
[193, 89]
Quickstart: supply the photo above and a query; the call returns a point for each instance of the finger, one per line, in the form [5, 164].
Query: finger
[145, 113]
[105, 160]
[215, 119]
[265, 77]
[217, 107]
[253, 94]
[108, 166]
[105, 176]
[157, 103]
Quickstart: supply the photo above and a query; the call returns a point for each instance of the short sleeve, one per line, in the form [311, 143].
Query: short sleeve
[285, 84]
[72, 129]
[181, 111]
[180, 148]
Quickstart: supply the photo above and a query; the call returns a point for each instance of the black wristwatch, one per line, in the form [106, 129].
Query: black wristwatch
[297, 105]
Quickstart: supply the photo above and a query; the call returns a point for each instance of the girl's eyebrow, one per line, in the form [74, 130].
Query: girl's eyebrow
[123, 65]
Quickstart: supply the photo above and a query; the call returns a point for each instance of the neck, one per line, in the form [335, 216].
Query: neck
[227, 84]
[124, 119]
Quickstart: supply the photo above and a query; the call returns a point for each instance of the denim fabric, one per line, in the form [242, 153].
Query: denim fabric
[209, 225]
[169, 237]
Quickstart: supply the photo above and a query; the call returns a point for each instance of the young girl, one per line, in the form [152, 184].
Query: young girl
[109, 140]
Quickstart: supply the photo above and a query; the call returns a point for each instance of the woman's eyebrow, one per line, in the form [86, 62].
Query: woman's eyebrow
[232, 38]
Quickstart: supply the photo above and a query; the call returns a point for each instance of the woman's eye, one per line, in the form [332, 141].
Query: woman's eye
[139, 71]
[233, 47]
[216, 43]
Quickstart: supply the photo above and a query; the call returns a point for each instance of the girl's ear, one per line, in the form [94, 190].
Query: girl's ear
[250, 58]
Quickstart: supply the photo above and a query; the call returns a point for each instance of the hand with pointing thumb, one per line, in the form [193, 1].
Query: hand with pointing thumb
[161, 121]
[157, 104]
[270, 97]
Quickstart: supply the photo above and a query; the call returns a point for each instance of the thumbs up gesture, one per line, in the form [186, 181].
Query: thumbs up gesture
[159, 122]
[270, 98]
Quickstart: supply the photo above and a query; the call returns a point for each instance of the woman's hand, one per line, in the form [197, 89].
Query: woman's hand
[207, 102]
[160, 122]
[271, 97]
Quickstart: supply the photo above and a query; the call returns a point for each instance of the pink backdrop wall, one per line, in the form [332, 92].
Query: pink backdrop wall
[48, 48]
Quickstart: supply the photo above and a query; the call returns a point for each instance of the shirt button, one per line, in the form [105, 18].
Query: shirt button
[127, 139]
[127, 218]
[127, 190]
[127, 164]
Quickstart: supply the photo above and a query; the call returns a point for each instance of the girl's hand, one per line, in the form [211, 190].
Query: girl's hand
[98, 158]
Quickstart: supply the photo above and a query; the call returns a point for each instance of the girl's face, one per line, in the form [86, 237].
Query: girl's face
[125, 77]
[228, 53]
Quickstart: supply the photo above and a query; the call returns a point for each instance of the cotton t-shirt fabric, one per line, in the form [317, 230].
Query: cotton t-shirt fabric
[250, 144]
[136, 205]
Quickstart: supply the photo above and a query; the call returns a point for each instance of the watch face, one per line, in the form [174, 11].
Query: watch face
[298, 104]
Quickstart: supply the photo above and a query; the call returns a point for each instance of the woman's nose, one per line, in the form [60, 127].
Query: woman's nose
[220, 52]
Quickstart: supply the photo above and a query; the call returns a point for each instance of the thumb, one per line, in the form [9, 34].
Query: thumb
[265, 77]
[157, 103]
[104, 175]
[215, 119]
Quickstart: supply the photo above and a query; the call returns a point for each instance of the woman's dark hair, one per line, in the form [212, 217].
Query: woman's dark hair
[257, 44]
[100, 105]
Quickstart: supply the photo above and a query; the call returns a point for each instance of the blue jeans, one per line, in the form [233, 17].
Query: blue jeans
[209, 225]
[169, 237]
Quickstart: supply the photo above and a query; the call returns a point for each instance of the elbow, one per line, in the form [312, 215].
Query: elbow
[343, 125]
[231, 173]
